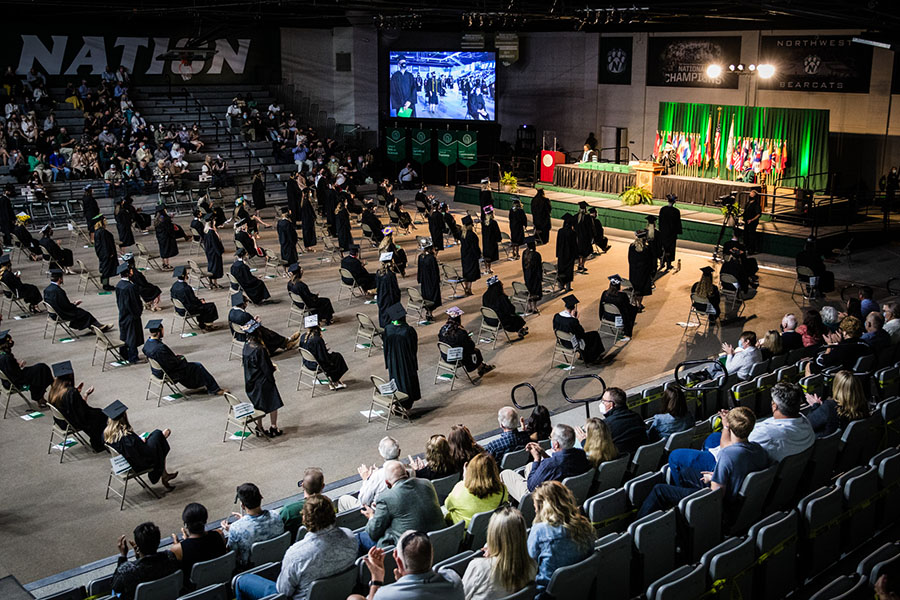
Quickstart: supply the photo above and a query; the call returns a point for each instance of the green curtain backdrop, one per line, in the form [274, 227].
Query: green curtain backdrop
[804, 130]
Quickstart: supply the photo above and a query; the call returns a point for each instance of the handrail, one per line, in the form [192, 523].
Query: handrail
[585, 401]
[534, 396]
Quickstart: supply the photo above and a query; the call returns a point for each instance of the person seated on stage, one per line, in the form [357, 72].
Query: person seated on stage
[511, 439]
[245, 241]
[707, 289]
[239, 316]
[455, 335]
[140, 453]
[197, 543]
[191, 375]
[741, 360]
[565, 461]
[37, 377]
[332, 363]
[587, 343]
[810, 258]
[56, 298]
[364, 279]
[313, 303]
[60, 257]
[256, 524]
[497, 300]
[615, 296]
[373, 478]
[844, 347]
[149, 565]
[26, 240]
[253, 287]
[790, 337]
[626, 427]
[205, 312]
[67, 399]
[148, 292]
[875, 335]
[291, 514]
[589, 155]
[26, 292]
[369, 219]
[600, 239]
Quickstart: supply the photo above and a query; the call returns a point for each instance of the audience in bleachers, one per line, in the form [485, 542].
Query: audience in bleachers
[741, 359]
[149, 563]
[847, 403]
[673, 416]
[596, 441]
[196, 543]
[373, 477]
[438, 461]
[255, 525]
[510, 438]
[480, 490]
[566, 461]
[788, 431]
[506, 566]
[625, 425]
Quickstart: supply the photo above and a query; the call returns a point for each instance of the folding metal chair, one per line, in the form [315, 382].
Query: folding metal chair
[449, 366]
[150, 260]
[9, 388]
[616, 324]
[298, 311]
[243, 421]
[106, 345]
[368, 332]
[11, 299]
[161, 382]
[493, 331]
[122, 472]
[306, 355]
[63, 433]
[53, 318]
[353, 288]
[390, 404]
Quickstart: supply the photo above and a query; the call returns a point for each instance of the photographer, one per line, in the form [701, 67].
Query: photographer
[752, 214]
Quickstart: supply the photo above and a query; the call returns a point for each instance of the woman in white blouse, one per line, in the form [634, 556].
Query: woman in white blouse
[506, 567]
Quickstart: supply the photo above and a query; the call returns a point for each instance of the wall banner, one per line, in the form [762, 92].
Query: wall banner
[816, 63]
[682, 61]
[615, 61]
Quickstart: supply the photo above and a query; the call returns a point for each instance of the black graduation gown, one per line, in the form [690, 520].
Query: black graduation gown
[436, 229]
[26, 239]
[342, 228]
[128, 300]
[713, 299]
[89, 209]
[669, 230]
[454, 229]
[532, 270]
[37, 376]
[83, 417]
[641, 267]
[191, 375]
[240, 212]
[206, 312]
[401, 345]
[212, 246]
[388, 294]
[243, 240]
[7, 218]
[566, 253]
[254, 288]
[147, 290]
[124, 222]
[490, 240]
[584, 230]
[619, 300]
[258, 191]
[469, 253]
[332, 363]
[428, 277]
[308, 215]
[598, 234]
[365, 279]
[273, 341]
[369, 218]
[287, 240]
[457, 337]
[77, 317]
[314, 303]
[259, 377]
[105, 248]
[501, 305]
[517, 223]
[540, 215]
[166, 237]
[593, 345]
[293, 200]
[141, 454]
[197, 229]
[61, 256]
[26, 291]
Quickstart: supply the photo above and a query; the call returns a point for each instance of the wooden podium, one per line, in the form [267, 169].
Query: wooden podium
[645, 172]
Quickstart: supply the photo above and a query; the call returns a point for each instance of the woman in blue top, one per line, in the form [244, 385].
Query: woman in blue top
[560, 536]
[673, 417]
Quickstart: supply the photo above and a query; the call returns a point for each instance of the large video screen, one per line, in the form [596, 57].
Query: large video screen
[443, 85]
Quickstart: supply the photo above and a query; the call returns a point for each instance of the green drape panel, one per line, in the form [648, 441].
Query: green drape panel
[806, 132]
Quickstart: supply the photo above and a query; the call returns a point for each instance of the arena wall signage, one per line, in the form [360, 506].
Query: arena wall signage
[817, 63]
[682, 61]
[615, 61]
[251, 58]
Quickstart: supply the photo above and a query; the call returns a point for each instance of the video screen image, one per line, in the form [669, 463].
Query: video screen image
[443, 85]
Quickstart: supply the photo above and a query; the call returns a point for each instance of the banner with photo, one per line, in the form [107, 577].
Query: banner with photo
[446, 146]
[421, 145]
[395, 143]
[615, 60]
[467, 147]
[816, 63]
[682, 61]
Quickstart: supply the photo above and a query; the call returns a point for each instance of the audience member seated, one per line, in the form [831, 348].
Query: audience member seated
[510, 438]
[141, 453]
[438, 462]
[67, 399]
[36, 378]
[479, 491]
[538, 425]
[506, 566]
[875, 336]
[256, 524]
[197, 544]
[740, 361]
[845, 347]
[373, 477]
[770, 345]
[787, 432]
[566, 461]
[791, 339]
[463, 446]
[673, 416]
[407, 503]
[149, 563]
[847, 403]
[892, 321]
[626, 426]
[813, 329]
[596, 441]
[561, 535]
[866, 304]
[809, 257]
[325, 550]
[831, 318]
[313, 482]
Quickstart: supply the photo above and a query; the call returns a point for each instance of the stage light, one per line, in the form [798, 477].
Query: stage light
[752, 67]
[765, 71]
[740, 67]
[713, 71]
[731, 68]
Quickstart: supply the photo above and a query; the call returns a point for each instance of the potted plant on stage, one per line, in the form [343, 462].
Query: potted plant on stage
[509, 183]
[636, 195]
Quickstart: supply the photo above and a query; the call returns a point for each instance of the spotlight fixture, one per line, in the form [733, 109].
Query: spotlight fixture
[713, 71]
[765, 71]
[752, 67]
[731, 68]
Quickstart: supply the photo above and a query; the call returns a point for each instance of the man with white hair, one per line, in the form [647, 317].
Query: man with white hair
[892, 321]
[567, 460]
[790, 339]
[373, 477]
[510, 439]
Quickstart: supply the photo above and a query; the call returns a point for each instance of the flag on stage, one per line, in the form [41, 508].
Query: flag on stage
[730, 148]
[717, 146]
[682, 149]
[783, 155]
[756, 156]
[695, 157]
[776, 157]
[736, 155]
[656, 145]
[708, 140]
[745, 146]
[766, 163]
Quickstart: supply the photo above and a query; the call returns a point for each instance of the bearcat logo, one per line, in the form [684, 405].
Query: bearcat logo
[811, 64]
[615, 61]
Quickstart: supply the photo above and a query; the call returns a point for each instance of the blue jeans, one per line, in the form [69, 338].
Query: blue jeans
[685, 464]
[663, 497]
[365, 542]
[253, 587]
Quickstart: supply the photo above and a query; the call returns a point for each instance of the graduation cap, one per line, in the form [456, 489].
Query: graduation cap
[47, 227]
[486, 180]
[237, 298]
[285, 210]
[5, 259]
[489, 209]
[311, 321]
[671, 197]
[651, 219]
[570, 301]
[641, 234]
[529, 239]
[251, 326]
[240, 222]
[88, 187]
[583, 205]
[492, 280]
[179, 271]
[208, 217]
[455, 311]
[616, 279]
[4, 334]
[23, 217]
[97, 218]
[154, 324]
[592, 211]
[160, 208]
[115, 410]
[395, 312]
[425, 243]
[239, 200]
[62, 369]
[128, 256]
[707, 270]
[293, 268]
[122, 268]
[241, 252]
[386, 256]
[467, 220]
[56, 272]
[387, 230]
[354, 249]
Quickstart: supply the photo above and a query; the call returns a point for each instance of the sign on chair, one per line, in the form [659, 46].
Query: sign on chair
[620, 322]
[386, 389]
[454, 354]
[120, 466]
[244, 409]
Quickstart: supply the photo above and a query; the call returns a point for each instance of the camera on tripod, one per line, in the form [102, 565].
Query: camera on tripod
[727, 199]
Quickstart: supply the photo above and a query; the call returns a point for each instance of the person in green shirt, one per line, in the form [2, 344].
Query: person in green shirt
[480, 490]
[292, 514]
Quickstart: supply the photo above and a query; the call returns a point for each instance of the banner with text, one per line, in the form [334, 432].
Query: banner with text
[421, 145]
[682, 61]
[816, 63]
[446, 148]
[395, 143]
[615, 60]
[467, 147]
[251, 57]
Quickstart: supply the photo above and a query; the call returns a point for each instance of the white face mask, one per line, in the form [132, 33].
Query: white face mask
[603, 409]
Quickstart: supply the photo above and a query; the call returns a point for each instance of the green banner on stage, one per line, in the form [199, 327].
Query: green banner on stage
[467, 142]
[395, 143]
[421, 145]
[447, 147]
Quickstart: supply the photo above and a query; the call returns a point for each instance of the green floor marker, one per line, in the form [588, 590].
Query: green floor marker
[363, 346]
[104, 293]
[66, 340]
[67, 444]
[172, 397]
[32, 416]
[239, 435]
[189, 334]
[565, 367]
[447, 376]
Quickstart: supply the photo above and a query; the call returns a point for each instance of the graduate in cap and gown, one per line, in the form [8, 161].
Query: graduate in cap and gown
[308, 218]
[205, 312]
[386, 288]
[149, 292]
[706, 288]
[197, 225]
[238, 315]
[540, 216]
[517, 223]
[314, 304]
[259, 378]
[615, 296]
[213, 248]
[450, 222]
[216, 213]
[37, 376]
[436, 227]
[566, 252]
[597, 228]
[141, 454]
[255, 289]
[641, 267]
[67, 398]
[401, 346]
[497, 300]
[587, 343]
[332, 363]
[77, 318]
[533, 272]
[128, 300]
[243, 239]
[342, 226]
[60, 257]
[26, 292]
[428, 276]
[287, 236]
[398, 259]
[669, 229]
[469, 254]
[490, 238]
[191, 375]
[105, 248]
[124, 223]
[24, 236]
[167, 234]
[351, 263]
[584, 231]
[89, 208]
[369, 219]
[455, 335]
[653, 238]
[294, 193]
